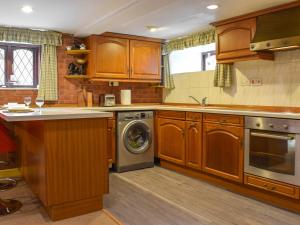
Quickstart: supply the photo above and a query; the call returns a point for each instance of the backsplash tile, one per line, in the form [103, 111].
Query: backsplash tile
[280, 78]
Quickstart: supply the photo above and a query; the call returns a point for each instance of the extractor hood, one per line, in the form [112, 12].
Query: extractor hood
[277, 31]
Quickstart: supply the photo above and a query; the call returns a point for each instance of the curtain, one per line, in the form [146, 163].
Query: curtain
[168, 81]
[193, 40]
[35, 37]
[48, 68]
[223, 75]
[48, 74]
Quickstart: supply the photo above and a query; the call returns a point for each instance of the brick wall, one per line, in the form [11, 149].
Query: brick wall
[68, 89]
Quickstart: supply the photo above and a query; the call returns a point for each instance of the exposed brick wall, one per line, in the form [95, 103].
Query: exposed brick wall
[16, 95]
[68, 89]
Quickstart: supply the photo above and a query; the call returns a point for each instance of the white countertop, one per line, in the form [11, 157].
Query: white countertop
[208, 109]
[56, 113]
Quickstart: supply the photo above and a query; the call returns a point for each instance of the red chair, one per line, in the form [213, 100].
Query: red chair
[7, 145]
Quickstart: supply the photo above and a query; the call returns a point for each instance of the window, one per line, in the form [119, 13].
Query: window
[19, 65]
[193, 59]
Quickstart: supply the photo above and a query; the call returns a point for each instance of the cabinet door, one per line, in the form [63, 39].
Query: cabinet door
[111, 57]
[223, 151]
[233, 39]
[193, 144]
[145, 60]
[111, 141]
[171, 140]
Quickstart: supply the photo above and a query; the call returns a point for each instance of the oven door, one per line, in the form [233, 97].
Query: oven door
[272, 155]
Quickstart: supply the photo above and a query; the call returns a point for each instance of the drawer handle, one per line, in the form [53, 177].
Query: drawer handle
[271, 188]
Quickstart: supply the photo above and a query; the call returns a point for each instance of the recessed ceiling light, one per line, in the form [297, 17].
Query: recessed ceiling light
[212, 6]
[152, 28]
[27, 9]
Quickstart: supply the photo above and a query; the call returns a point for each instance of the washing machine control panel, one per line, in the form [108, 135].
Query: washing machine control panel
[125, 116]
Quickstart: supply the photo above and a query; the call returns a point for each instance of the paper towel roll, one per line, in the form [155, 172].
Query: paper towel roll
[125, 97]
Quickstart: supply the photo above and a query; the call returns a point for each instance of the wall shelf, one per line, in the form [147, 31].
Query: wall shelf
[79, 77]
[78, 52]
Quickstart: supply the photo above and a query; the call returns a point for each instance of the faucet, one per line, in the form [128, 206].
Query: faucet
[203, 101]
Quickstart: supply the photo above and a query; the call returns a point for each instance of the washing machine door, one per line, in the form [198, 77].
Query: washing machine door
[137, 137]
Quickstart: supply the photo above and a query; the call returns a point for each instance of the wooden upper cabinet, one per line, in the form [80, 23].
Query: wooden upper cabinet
[223, 151]
[193, 144]
[145, 60]
[171, 140]
[122, 58]
[110, 57]
[233, 42]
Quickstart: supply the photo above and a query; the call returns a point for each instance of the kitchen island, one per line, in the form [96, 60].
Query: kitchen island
[63, 157]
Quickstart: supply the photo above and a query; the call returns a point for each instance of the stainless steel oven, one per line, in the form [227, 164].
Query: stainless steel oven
[272, 148]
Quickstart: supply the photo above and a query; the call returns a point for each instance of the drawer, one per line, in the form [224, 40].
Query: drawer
[272, 186]
[223, 119]
[171, 114]
[193, 116]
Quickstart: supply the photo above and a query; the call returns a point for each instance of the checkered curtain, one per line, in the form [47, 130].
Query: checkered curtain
[48, 70]
[223, 75]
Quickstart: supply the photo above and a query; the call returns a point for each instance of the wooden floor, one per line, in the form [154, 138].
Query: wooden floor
[158, 196]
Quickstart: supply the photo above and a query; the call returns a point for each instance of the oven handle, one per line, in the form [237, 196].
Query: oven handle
[273, 136]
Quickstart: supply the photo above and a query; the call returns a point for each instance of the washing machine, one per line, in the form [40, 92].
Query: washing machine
[135, 144]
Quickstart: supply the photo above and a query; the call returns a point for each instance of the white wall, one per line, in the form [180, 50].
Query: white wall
[281, 84]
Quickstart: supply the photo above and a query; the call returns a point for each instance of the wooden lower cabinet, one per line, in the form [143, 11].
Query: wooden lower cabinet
[111, 141]
[272, 186]
[64, 162]
[171, 140]
[193, 144]
[223, 151]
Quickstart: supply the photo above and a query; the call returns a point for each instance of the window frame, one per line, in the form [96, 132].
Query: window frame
[8, 70]
[204, 57]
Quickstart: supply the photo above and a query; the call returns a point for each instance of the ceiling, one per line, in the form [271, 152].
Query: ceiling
[175, 18]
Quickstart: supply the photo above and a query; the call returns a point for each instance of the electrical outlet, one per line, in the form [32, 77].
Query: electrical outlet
[113, 83]
[245, 82]
[256, 82]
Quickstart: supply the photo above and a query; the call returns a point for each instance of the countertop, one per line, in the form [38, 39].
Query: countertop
[207, 109]
[55, 113]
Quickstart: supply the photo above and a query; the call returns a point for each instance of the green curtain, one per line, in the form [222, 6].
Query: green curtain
[168, 79]
[223, 75]
[48, 68]
[48, 74]
[35, 37]
[193, 40]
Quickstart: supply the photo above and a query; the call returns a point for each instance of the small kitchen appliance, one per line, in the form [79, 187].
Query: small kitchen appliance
[107, 100]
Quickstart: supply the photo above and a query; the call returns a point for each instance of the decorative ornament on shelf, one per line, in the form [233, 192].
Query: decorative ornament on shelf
[73, 69]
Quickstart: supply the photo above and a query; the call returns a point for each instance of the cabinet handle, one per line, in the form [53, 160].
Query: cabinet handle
[182, 133]
[271, 188]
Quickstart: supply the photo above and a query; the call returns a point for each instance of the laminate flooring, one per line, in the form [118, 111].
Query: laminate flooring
[157, 196]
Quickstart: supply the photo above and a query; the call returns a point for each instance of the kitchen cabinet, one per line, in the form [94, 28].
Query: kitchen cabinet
[171, 140]
[111, 141]
[273, 186]
[145, 60]
[233, 41]
[124, 59]
[179, 137]
[223, 149]
[109, 57]
[193, 144]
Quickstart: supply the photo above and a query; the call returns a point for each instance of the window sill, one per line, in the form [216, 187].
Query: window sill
[17, 89]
